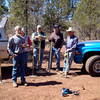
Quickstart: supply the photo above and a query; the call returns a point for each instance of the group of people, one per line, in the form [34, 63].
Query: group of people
[19, 46]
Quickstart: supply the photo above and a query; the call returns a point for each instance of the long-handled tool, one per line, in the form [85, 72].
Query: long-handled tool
[39, 56]
[33, 67]
[50, 57]
[66, 61]
[0, 74]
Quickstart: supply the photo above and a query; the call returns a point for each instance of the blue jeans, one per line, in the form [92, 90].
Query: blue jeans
[26, 60]
[68, 61]
[36, 57]
[56, 52]
[19, 62]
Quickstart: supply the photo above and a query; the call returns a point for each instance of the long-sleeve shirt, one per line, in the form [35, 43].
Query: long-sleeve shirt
[71, 43]
[57, 39]
[15, 45]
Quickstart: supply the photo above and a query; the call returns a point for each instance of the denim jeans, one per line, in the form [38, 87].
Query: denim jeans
[56, 52]
[36, 57]
[26, 60]
[19, 62]
[68, 61]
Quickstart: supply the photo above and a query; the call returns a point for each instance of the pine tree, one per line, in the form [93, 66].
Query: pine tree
[87, 18]
[19, 13]
[56, 12]
[25, 13]
[3, 8]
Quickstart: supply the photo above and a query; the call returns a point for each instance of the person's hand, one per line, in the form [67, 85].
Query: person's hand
[59, 49]
[65, 54]
[37, 37]
[68, 50]
[44, 37]
[14, 55]
[24, 45]
[40, 37]
[63, 49]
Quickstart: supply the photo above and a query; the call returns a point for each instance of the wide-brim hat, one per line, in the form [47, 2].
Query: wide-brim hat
[70, 29]
[39, 26]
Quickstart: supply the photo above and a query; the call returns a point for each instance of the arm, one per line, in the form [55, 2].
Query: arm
[9, 46]
[50, 38]
[74, 45]
[33, 37]
[43, 36]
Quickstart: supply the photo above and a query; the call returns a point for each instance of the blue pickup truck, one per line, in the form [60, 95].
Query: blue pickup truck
[88, 54]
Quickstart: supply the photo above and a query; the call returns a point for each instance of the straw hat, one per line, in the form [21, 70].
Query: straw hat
[17, 28]
[39, 26]
[70, 29]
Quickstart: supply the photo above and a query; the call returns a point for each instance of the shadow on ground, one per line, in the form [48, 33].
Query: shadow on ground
[45, 83]
[78, 71]
[7, 72]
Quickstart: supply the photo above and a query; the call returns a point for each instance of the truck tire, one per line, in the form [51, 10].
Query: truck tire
[93, 65]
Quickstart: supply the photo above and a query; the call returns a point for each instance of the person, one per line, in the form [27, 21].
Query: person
[16, 48]
[28, 44]
[38, 39]
[57, 38]
[71, 44]
[27, 40]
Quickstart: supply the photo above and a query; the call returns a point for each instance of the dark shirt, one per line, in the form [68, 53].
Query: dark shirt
[57, 39]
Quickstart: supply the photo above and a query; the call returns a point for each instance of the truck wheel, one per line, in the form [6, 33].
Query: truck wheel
[93, 65]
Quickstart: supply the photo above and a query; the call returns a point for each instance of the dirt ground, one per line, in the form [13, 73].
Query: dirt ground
[49, 86]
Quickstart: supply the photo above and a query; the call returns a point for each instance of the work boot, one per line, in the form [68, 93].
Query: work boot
[58, 68]
[24, 83]
[65, 74]
[15, 84]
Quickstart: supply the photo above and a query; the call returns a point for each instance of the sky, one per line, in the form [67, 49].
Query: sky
[6, 2]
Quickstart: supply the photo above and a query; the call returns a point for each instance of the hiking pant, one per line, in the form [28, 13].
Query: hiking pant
[19, 64]
[68, 61]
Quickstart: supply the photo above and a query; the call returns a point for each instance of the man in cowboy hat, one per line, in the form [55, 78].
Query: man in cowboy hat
[71, 44]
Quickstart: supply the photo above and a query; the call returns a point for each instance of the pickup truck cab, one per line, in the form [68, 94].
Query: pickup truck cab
[3, 50]
[88, 54]
[3, 40]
